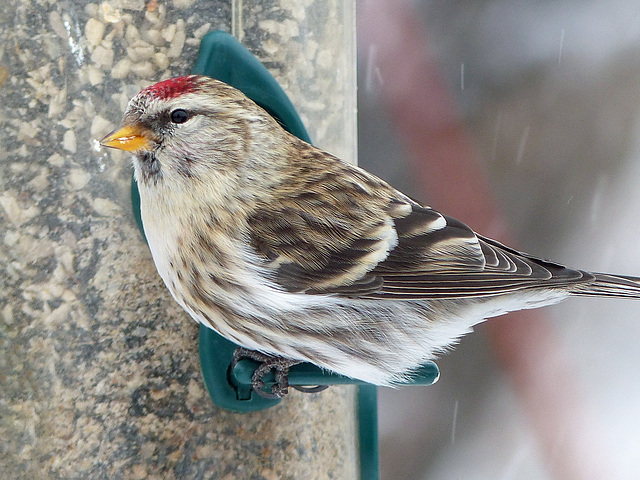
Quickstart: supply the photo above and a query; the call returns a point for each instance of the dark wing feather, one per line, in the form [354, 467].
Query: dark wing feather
[409, 270]
[351, 234]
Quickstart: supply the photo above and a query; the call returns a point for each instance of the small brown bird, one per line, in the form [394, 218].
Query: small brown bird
[287, 250]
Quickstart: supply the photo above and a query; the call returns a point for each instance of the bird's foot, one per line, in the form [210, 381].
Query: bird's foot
[280, 367]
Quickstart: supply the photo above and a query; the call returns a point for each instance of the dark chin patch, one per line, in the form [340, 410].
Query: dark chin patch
[150, 168]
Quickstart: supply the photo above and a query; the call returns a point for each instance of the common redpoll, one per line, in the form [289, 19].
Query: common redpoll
[287, 250]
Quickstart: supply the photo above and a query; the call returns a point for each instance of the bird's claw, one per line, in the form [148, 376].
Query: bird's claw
[280, 367]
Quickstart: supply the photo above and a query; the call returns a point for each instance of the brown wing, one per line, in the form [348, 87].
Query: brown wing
[351, 234]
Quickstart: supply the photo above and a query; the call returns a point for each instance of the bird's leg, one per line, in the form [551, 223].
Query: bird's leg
[280, 367]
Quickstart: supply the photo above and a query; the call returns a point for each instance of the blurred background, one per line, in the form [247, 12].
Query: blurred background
[521, 119]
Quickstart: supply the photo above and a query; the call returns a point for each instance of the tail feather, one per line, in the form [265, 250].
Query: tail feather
[607, 285]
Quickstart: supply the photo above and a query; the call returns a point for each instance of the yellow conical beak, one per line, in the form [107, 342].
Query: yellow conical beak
[128, 138]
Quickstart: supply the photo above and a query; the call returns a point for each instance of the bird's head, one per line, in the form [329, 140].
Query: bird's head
[189, 128]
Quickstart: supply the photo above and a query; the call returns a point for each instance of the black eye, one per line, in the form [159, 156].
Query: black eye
[179, 115]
